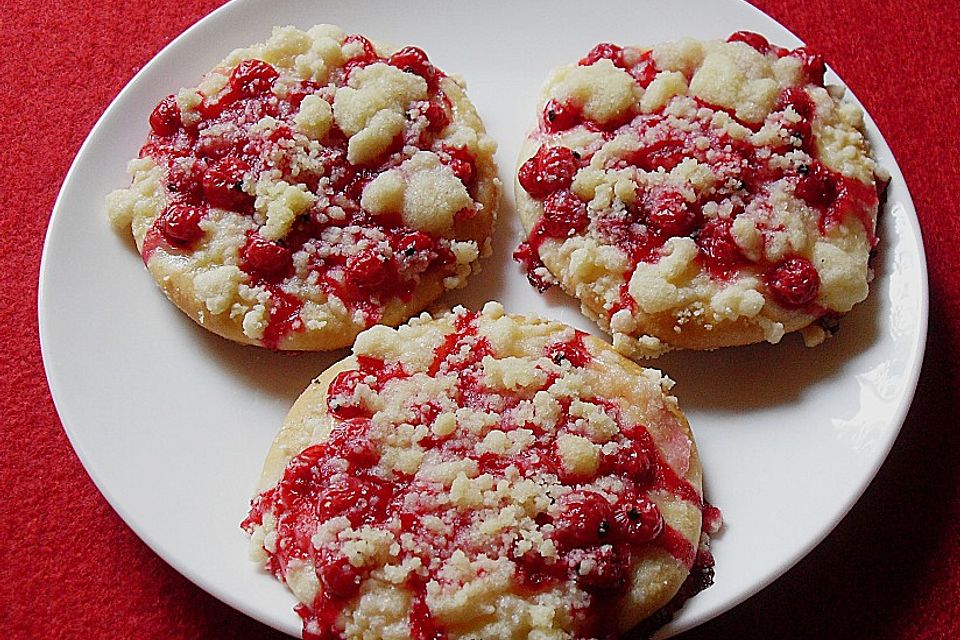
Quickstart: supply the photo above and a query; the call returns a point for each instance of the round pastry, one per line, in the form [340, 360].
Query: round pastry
[700, 194]
[310, 187]
[481, 475]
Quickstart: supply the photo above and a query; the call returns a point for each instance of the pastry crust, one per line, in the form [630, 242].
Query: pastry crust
[337, 107]
[496, 606]
[735, 140]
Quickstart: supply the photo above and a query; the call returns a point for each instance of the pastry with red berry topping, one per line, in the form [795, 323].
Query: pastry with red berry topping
[310, 187]
[700, 194]
[481, 475]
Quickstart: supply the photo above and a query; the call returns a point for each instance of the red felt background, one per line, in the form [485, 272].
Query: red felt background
[70, 568]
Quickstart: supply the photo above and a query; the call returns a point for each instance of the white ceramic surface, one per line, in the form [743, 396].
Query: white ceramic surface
[173, 423]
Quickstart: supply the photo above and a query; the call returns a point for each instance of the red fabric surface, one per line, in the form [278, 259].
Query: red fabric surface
[70, 567]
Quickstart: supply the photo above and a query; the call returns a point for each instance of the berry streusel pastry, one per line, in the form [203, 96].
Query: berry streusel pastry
[481, 475]
[310, 187]
[700, 194]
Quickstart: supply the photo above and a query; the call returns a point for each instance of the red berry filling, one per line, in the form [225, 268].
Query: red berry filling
[414, 60]
[669, 213]
[558, 117]
[564, 215]
[165, 117]
[758, 42]
[264, 258]
[793, 283]
[813, 65]
[604, 51]
[180, 224]
[551, 169]
[253, 77]
[223, 185]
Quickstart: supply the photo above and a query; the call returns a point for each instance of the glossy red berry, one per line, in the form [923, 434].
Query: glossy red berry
[634, 462]
[664, 154]
[223, 184]
[717, 244]
[350, 440]
[368, 54]
[799, 99]
[180, 224]
[585, 519]
[253, 77]
[637, 522]
[669, 214]
[564, 215]
[265, 258]
[645, 70]
[436, 117]
[604, 51]
[755, 40]
[413, 243]
[528, 258]
[338, 577]
[165, 117]
[341, 400]
[360, 500]
[368, 268]
[793, 283]
[551, 169]
[813, 65]
[559, 116]
[461, 162]
[816, 186]
[414, 60]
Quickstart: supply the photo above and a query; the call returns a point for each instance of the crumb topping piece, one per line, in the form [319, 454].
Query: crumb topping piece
[696, 186]
[335, 176]
[480, 475]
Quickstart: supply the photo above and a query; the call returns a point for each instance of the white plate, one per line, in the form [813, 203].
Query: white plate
[173, 423]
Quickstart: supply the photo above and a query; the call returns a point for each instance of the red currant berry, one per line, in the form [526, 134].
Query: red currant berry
[369, 268]
[793, 283]
[604, 51]
[637, 523]
[367, 56]
[755, 40]
[223, 184]
[813, 65]
[461, 162]
[799, 99]
[584, 520]
[551, 169]
[564, 215]
[414, 60]
[645, 70]
[165, 117]
[180, 224]
[350, 440]
[361, 500]
[338, 577]
[559, 116]
[669, 213]
[437, 117]
[340, 395]
[817, 187]
[265, 258]
[717, 244]
[411, 244]
[253, 77]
